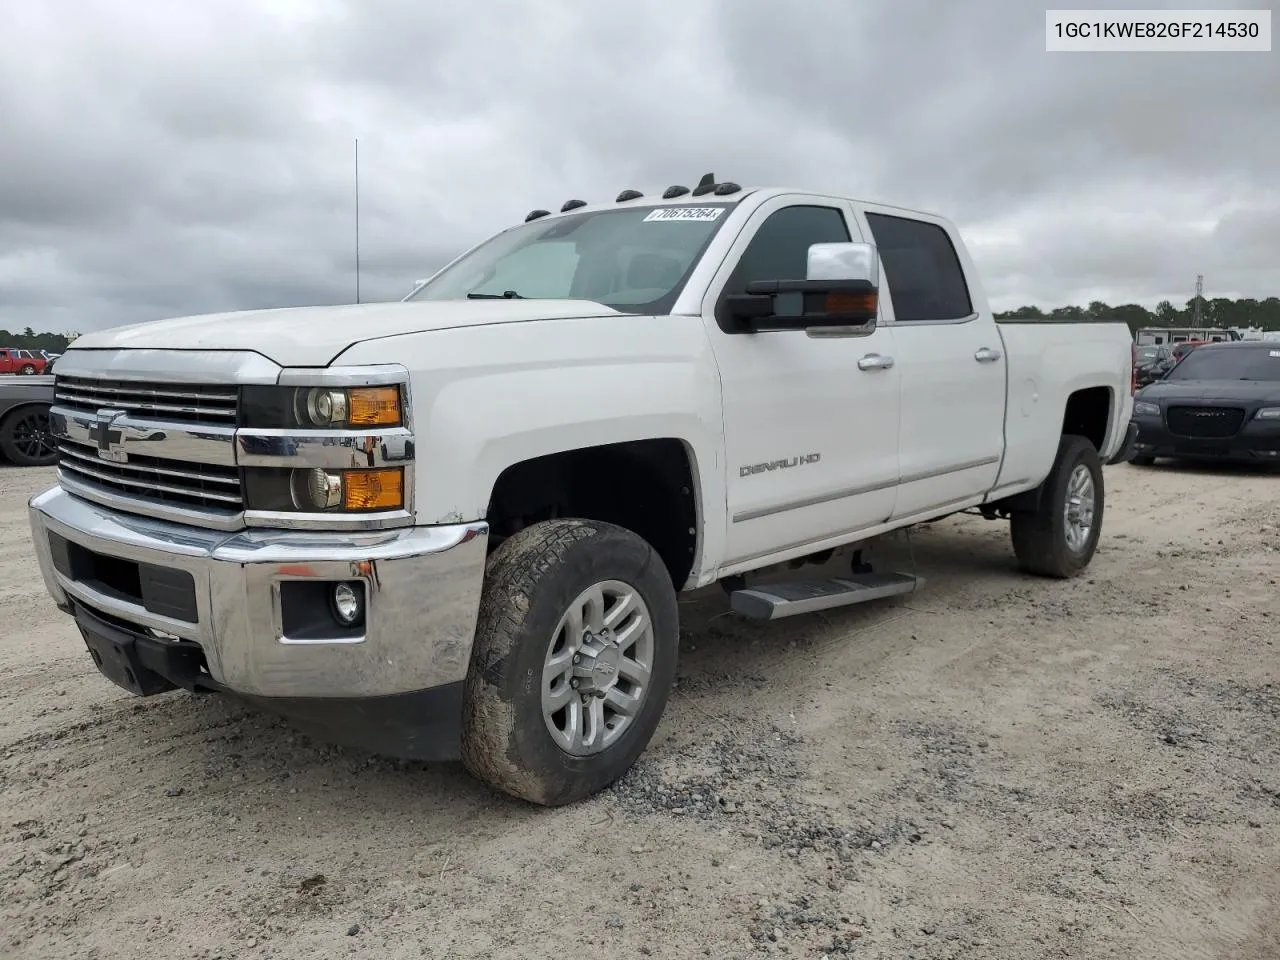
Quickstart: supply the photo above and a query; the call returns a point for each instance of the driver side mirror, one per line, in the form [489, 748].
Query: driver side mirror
[838, 297]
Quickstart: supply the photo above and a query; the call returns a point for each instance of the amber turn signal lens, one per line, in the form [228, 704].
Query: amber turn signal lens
[373, 407]
[373, 489]
[847, 302]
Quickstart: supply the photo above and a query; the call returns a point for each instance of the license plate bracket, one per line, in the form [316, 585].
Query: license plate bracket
[1202, 449]
[116, 655]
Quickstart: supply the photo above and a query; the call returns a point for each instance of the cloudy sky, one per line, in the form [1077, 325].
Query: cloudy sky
[159, 159]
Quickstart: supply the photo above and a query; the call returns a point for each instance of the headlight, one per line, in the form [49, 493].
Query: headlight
[1143, 409]
[1268, 413]
[350, 490]
[323, 490]
[322, 408]
[358, 407]
[316, 453]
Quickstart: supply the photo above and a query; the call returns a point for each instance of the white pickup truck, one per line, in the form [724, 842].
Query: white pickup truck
[456, 526]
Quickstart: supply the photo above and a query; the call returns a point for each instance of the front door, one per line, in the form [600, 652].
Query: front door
[810, 423]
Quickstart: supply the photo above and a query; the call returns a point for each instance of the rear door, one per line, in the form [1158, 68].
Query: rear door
[951, 360]
[810, 423]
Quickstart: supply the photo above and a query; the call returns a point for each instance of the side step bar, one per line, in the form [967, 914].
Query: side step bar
[777, 600]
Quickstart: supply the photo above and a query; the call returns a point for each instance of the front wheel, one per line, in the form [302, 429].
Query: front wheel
[1059, 538]
[28, 369]
[574, 657]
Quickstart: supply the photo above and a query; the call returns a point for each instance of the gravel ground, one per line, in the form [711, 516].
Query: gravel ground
[998, 767]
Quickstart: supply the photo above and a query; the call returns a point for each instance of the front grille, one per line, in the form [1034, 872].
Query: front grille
[200, 486]
[168, 402]
[1211, 422]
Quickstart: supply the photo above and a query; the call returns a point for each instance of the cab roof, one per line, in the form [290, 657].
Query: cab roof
[707, 191]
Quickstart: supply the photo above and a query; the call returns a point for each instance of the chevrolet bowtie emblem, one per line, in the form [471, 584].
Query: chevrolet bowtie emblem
[108, 438]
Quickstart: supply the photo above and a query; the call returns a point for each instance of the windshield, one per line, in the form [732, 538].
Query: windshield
[1251, 363]
[1149, 353]
[634, 260]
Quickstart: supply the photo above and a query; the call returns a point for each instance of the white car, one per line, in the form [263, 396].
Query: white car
[456, 526]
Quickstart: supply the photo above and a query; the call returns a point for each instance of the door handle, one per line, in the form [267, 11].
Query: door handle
[987, 355]
[874, 361]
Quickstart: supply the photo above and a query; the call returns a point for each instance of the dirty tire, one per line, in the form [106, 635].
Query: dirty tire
[530, 581]
[1142, 461]
[28, 370]
[1039, 538]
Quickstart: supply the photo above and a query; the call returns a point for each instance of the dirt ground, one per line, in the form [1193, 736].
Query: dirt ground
[999, 767]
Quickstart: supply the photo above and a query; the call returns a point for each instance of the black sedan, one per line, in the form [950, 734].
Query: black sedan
[25, 437]
[1221, 402]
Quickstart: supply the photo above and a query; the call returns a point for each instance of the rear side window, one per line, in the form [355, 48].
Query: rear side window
[925, 278]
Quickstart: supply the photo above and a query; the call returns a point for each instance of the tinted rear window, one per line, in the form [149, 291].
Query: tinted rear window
[1255, 363]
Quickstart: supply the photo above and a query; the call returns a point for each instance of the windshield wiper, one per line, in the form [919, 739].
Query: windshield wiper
[504, 295]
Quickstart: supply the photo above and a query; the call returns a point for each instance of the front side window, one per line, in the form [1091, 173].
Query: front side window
[780, 248]
[635, 259]
[925, 278]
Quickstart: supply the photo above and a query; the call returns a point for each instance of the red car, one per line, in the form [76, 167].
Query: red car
[27, 362]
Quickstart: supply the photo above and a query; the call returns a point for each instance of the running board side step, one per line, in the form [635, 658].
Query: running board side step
[777, 600]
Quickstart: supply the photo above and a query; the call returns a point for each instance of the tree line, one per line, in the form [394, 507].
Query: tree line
[1218, 312]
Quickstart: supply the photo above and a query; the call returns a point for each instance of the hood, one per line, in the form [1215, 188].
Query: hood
[1245, 391]
[313, 336]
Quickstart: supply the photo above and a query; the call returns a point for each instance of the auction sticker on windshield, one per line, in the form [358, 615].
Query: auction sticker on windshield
[696, 214]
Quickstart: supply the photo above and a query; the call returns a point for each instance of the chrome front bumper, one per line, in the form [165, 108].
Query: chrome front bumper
[422, 586]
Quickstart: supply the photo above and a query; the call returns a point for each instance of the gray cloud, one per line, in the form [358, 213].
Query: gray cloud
[168, 159]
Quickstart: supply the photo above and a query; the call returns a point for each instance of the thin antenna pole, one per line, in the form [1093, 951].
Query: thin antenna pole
[357, 220]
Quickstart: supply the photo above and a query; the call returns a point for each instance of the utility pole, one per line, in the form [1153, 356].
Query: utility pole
[1199, 301]
[357, 220]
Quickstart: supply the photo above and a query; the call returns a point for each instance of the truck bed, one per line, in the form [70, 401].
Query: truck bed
[1047, 362]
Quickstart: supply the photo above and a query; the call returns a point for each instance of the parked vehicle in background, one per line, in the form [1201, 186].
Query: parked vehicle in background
[1180, 350]
[26, 362]
[613, 403]
[1149, 364]
[1222, 402]
[26, 438]
[1176, 353]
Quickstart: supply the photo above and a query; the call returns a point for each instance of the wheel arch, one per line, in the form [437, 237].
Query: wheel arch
[650, 486]
[1087, 412]
[8, 415]
[12, 414]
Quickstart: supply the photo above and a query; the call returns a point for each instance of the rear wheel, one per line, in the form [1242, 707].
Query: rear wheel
[574, 657]
[28, 369]
[1059, 538]
[26, 438]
